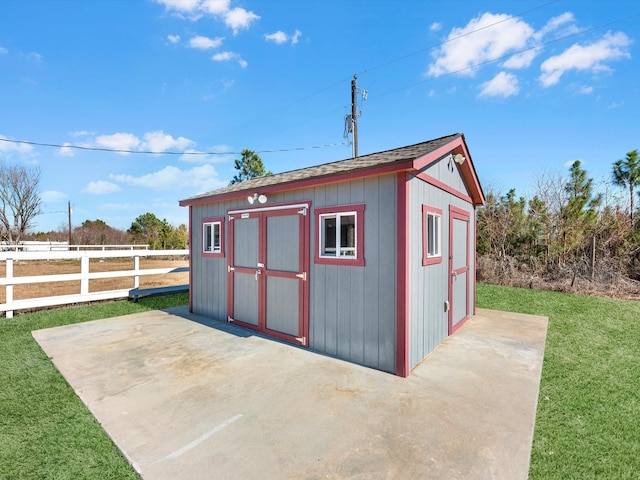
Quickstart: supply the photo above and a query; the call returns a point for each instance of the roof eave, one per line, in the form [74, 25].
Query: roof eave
[398, 166]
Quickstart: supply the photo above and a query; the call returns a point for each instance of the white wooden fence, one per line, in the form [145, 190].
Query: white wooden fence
[9, 280]
[38, 246]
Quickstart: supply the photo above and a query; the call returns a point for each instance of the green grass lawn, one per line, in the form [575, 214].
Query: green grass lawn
[587, 425]
[588, 418]
[46, 432]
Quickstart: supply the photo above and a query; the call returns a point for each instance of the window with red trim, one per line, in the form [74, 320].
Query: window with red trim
[213, 237]
[431, 235]
[340, 235]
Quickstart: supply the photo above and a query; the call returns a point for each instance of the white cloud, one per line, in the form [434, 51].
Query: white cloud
[239, 18]
[228, 56]
[50, 196]
[235, 18]
[435, 27]
[118, 141]
[585, 90]
[201, 178]
[80, 133]
[487, 37]
[555, 23]
[65, 150]
[173, 38]
[281, 37]
[35, 56]
[277, 37]
[205, 43]
[181, 6]
[522, 59]
[224, 56]
[590, 57]
[101, 187]
[159, 141]
[502, 85]
[3, 51]
[215, 7]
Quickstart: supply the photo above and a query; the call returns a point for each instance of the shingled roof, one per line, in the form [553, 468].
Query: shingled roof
[351, 165]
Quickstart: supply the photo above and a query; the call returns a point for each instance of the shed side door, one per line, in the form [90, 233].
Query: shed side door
[458, 267]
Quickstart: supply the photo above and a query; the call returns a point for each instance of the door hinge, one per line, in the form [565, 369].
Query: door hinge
[302, 340]
[303, 211]
[230, 268]
[230, 320]
[231, 217]
[303, 276]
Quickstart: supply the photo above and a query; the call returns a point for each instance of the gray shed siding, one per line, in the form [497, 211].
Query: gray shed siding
[352, 310]
[429, 285]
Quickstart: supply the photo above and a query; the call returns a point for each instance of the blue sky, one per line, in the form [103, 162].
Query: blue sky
[533, 85]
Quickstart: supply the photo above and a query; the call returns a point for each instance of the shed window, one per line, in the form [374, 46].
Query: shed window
[212, 237]
[340, 235]
[431, 235]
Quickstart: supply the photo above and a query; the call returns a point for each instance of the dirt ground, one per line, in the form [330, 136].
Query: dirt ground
[58, 267]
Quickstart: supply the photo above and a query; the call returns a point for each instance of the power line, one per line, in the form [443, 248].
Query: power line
[146, 152]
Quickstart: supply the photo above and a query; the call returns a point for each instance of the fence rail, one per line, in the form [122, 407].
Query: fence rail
[37, 246]
[84, 276]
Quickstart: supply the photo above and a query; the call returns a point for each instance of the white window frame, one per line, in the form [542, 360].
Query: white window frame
[211, 226]
[434, 235]
[432, 232]
[340, 251]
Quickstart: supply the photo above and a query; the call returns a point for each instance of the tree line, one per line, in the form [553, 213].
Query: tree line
[146, 229]
[567, 233]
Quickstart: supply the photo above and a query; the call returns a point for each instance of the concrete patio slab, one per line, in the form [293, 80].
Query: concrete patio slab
[186, 397]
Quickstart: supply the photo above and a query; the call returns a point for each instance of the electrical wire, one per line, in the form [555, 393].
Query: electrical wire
[146, 152]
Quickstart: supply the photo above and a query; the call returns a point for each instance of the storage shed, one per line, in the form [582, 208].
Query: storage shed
[369, 259]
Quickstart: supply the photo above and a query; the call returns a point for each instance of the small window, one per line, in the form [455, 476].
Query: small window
[431, 235]
[212, 237]
[340, 235]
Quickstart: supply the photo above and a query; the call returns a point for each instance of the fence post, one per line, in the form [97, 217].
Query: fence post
[136, 278]
[9, 287]
[84, 271]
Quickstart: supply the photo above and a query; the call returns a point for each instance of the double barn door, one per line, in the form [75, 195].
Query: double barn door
[267, 271]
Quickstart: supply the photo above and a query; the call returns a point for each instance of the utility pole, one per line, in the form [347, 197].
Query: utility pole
[354, 115]
[351, 120]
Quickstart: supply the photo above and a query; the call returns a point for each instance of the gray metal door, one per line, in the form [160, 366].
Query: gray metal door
[458, 267]
[267, 272]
